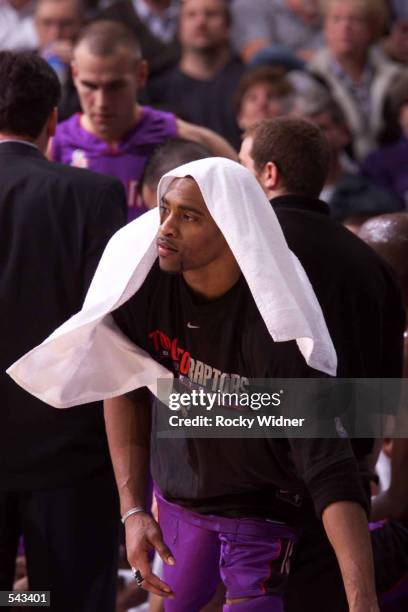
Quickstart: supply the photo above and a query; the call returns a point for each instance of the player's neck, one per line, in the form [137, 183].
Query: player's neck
[114, 137]
[214, 280]
[204, 65]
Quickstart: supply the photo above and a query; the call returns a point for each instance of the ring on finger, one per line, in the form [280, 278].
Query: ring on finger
[137, 576]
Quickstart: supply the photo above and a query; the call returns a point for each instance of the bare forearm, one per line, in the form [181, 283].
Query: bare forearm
[347, 529]
[214, 142]
[127, 421]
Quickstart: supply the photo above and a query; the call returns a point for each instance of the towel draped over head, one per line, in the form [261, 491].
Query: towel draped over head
[88, 358]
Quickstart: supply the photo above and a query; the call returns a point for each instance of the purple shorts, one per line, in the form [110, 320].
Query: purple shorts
[250, 556]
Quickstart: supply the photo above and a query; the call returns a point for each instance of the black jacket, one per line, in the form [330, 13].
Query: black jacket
[54, 224]
[356, 289]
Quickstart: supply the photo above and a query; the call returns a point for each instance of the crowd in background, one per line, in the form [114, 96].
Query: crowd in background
[224, 66]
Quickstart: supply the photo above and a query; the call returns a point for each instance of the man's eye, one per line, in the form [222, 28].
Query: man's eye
[163, 209]
[116, 86]
[89, 86]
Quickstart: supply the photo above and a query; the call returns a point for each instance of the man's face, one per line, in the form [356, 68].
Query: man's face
[189, 238]
[57, 21]
[107, 88]
[347, 28]
[203, 25]
[260, 102]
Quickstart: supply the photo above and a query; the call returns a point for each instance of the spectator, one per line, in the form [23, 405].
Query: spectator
[174, 152]
[357, 73]
[396, 44]
[153, 23]
[388, 166]
[56, 480]
[263, 93]
[286, 28]
[115, 135]
[352, 197]
[58, 23]
[17, 31]
[201, 88]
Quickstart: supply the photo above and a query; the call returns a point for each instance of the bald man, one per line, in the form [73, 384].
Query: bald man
[114, 134]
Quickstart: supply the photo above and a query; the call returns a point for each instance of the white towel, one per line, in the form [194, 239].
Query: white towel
[88, 358]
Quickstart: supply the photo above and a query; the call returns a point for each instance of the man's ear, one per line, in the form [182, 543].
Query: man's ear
[270, 176]
[142, 73]
[52, 123]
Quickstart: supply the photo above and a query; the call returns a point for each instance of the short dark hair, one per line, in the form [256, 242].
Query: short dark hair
[167, 156]
[298, 148]
[273, 75]
[29, 91]
[103, 38]
[320, 105]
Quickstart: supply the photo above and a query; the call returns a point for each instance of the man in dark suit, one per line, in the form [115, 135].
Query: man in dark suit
[56, 482]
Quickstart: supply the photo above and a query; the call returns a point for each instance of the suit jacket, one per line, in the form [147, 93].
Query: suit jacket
[55, 221]
[158, 54]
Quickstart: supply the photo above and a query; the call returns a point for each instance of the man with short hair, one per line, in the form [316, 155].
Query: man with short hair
[115, 135]
[356, 72]
[360, 300]
[352, 197]
[226, 505]
[201, 87]
[56, 483]
[262, 93]
[58, 20]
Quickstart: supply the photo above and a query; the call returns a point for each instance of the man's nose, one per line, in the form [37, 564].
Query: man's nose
[169, 226]
[263, 103]
[100, 98]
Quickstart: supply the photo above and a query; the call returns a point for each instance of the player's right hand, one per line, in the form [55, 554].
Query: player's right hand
[143, 534]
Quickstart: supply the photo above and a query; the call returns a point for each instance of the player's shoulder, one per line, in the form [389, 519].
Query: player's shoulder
[155, 121]
[68, 127]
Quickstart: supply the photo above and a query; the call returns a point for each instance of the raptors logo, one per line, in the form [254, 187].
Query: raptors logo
[79, 159]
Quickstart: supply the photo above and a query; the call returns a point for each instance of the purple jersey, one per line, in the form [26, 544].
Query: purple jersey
[76, 146]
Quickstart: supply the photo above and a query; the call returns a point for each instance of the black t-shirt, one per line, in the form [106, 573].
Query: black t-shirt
[205, 102]
[226, 341]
